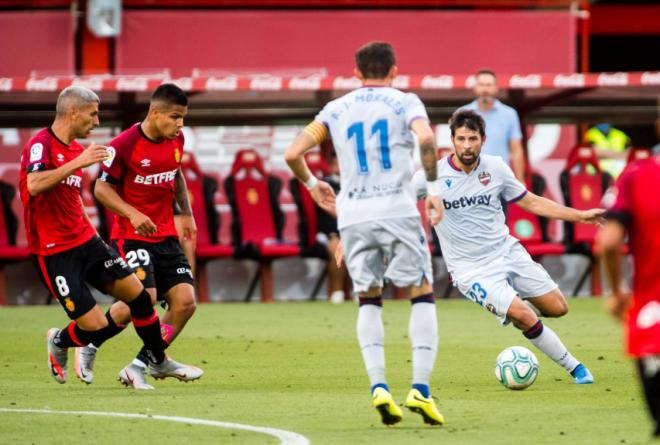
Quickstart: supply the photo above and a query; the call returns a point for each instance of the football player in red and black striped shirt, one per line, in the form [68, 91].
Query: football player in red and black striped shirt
[66, 249]
[139, 183]
[636, 211]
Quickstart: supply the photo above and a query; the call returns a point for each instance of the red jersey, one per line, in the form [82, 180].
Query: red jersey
[638, 208]
[54, 220]
[143, 171]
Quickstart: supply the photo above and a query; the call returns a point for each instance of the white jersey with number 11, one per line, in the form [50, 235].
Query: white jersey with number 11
[370, 129]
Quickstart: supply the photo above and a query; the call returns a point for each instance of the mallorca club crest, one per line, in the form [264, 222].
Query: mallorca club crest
[484, 178]
[177, 155]
[69, 304]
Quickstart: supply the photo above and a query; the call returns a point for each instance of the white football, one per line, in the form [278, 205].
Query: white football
[516, 367]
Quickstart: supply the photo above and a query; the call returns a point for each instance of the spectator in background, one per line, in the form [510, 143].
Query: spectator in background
[611, 146]
[503, 135]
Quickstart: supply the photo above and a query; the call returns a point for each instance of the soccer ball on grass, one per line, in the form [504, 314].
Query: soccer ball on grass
[516, 367]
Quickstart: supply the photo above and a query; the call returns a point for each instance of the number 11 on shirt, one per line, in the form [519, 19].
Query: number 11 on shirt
[380, 127]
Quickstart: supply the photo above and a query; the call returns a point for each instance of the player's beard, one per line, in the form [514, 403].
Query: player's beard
[468, 161]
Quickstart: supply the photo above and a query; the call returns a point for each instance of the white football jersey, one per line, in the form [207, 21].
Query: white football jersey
[473, 230]
[370, 129]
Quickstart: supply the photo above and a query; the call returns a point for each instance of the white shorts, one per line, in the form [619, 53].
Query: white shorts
[496, 285]
[393, 249]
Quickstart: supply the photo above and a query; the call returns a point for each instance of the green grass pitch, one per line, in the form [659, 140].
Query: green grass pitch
[297, 367]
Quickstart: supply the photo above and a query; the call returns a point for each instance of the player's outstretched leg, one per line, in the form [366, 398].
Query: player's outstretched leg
[423, 333]
[548, 342]
[371, 336]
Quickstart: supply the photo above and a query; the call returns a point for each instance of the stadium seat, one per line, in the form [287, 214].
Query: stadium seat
[583, 184]
[9, 251]
[638, 153]
[201, 190]
[530, 229]
[257, 219]
[308, 213]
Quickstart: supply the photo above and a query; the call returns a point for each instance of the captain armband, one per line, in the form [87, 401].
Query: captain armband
[105, 177]
[317, 131]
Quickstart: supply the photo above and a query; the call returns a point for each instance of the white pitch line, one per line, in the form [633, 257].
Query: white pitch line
[285, 437]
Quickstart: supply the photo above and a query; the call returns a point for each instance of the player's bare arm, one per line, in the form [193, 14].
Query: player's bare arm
[39, 182]
[609, 242]
[188, 225]
[427, 152]
[541, 206]
[321, 191]
[107, 194]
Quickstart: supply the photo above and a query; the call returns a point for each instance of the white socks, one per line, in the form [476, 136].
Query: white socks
[371, 336]
[423, 333]
[547, 341]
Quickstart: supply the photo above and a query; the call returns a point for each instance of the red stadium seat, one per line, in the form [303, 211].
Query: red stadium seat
[308, 214]
[201, 188]
[528, 228]
[257, 220]
[583, 184]
[9, 252]
[637, 153]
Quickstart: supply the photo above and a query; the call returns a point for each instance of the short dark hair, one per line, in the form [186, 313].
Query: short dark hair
[170, 94]
[469, 119]
[375, 59]
[486, 71]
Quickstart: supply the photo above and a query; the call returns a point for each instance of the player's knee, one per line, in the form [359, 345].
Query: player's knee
[183, 306]
[521, 316]
[562, 309]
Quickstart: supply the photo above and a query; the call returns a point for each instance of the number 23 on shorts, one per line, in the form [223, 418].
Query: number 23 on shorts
[477, 293]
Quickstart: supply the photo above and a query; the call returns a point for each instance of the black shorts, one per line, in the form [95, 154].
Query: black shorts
[65, 274]
[649, 374]
[160, 265]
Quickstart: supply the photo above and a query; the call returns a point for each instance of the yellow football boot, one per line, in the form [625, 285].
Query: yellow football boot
[389, 411]
[425, 407]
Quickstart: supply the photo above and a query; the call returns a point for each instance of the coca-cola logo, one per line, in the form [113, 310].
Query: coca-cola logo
[93, 83]
[528, 81]
[568, 80]
[471, 81]
[438, 82]
[346, 83]
[229, 83]
[305, 83]
[132, 84]
[6, 84]
[650, 78]
[401, 82]
[44, 84]
[266, 83]
[613, 80]
[185, 83]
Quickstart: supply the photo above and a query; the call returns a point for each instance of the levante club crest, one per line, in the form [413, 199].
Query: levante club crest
[484, 178]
